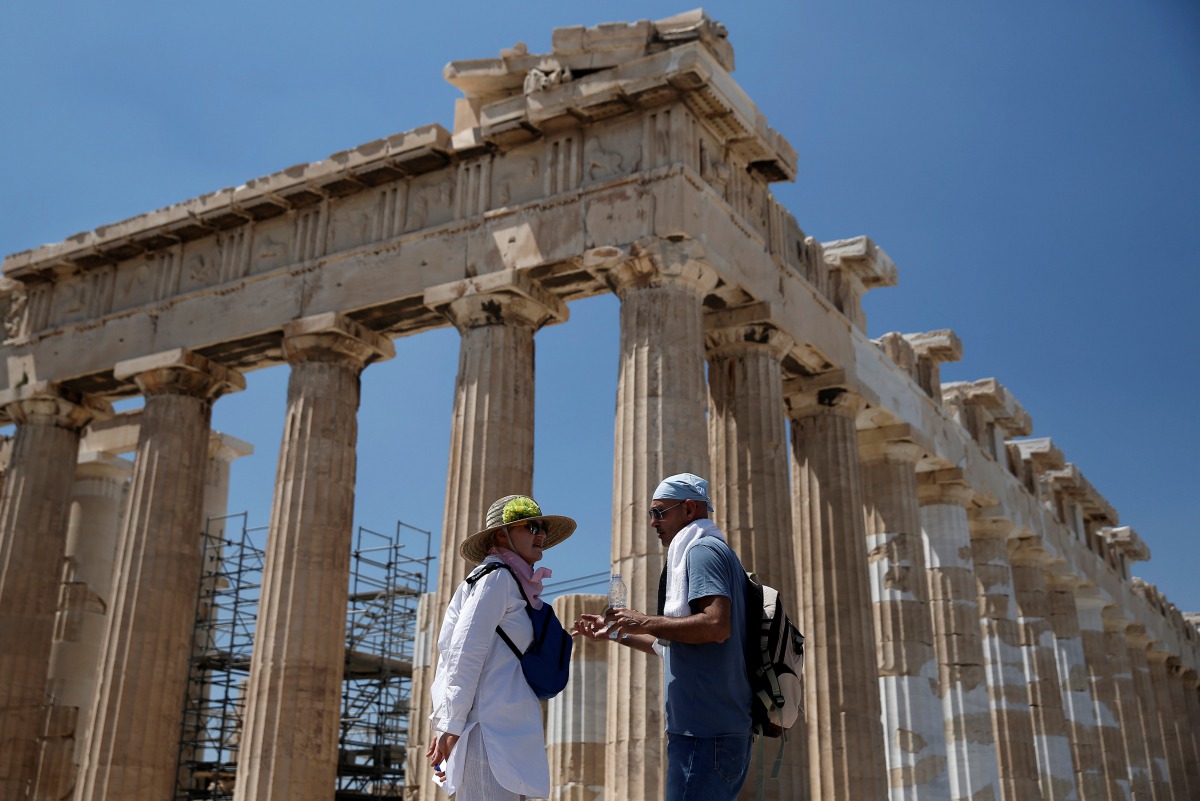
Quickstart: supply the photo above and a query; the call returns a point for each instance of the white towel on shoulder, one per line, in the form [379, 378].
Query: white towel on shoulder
[676, 604]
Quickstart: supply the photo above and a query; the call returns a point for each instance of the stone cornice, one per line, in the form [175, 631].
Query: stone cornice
[402, 155]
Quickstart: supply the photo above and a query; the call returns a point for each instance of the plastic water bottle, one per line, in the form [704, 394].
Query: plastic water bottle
[618, 597]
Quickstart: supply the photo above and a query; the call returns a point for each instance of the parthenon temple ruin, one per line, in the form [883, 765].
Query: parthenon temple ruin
[974, 629]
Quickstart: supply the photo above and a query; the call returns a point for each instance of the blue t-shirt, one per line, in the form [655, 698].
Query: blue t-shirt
[708, 692]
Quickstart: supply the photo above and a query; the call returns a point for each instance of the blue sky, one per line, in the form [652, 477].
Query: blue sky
[1032, 168]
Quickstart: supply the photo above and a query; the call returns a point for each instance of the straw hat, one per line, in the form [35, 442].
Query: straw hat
[515, 509]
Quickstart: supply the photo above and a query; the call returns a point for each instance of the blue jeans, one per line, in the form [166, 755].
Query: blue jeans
[707, 768]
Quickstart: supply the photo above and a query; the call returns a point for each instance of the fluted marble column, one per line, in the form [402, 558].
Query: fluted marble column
[842, 686]
[429, 620]
[907, 662]
[957, 638]
[1012, 719]
[1136, 642]
[289, 749]
[223, 450]
[1189, 715]
[1172, 751]
[660, 430]
[97, 499]
[1052, 743]
[575, 718]
[747, 439]
[1101, 673]
[1134, 758]
[491, 441]
[1190, 784]
[133, 742]
[34, 511]
[1078, 704]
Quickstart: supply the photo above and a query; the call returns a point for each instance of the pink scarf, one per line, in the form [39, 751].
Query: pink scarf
[531, 580]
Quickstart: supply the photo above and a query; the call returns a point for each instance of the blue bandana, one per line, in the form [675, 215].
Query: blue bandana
[684, 487]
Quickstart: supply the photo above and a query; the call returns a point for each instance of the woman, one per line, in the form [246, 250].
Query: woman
[488, 741]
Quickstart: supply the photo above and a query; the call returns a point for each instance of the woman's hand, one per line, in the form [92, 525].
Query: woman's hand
[590, 626]
[439, 752]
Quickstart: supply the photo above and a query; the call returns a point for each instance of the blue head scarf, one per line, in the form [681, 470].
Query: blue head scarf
[684, 487]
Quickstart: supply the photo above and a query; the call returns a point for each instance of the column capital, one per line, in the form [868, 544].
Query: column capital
[103, 466]
[986, 525]
[1114, 619]
[826, 394]
[1028, 551]
[180, 372]
[227, 448]
[1060, 581]
[48, 403]
[334, 337]
[746, 328]
[946, 487]
[1156, 653]
[655, 262]
[889, 444]
[506, 297]
[1137, 636]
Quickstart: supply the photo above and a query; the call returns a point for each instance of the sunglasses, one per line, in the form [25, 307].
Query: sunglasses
[533, 525]
[659, 514]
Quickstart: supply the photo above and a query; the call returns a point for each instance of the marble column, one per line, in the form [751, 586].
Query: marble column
[1101, 673]
[1052, 742]
[1189, 716]
[842, 686]
[1007, 681]
[1172, 751]
[906, 658]
[1189, 781]
[34, 511]
[660, 430]
[289, 749]
[1134, 758]
[94, 523]
[747, 438]
[133, 743]
[957, 639]
[1136, 642]
[1078, 704]
[491, 440]
[428, 623]
[575, 718]
[223, 450]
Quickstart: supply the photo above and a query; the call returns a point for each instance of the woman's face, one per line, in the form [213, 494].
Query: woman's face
[525, 539]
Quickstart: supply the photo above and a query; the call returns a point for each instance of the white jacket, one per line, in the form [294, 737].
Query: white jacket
[480, 689]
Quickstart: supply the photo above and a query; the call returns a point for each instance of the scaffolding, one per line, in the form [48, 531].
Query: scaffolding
[386, 582]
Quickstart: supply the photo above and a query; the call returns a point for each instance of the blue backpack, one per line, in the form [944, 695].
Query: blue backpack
[546, 663]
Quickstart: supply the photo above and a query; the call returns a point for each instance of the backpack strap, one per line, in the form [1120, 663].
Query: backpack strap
[482, 571]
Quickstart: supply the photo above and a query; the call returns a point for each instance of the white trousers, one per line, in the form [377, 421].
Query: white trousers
[478, 782]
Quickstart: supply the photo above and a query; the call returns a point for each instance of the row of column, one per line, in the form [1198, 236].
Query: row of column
[857, 580]
[915, 609]
[134, 722]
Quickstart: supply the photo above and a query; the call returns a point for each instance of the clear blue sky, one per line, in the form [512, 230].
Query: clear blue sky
[1032, 168]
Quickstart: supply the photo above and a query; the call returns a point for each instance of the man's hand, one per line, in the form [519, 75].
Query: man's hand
[626, 621]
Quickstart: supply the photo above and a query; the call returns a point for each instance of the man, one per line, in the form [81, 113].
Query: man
[700, 631]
